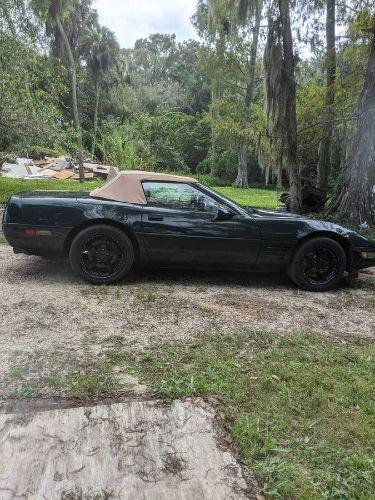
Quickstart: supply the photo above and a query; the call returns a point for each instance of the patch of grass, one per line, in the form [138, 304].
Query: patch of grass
[9, 186]
[148, 295]
[36, 371]
[25, 391]
[300, 409]
[93, 381]
[114, 340]
[3, 241]
[56, 369]
[252, 197]
[18, 371]
[370, 301]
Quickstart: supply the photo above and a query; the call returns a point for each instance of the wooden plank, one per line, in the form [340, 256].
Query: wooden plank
[64, 174]
[134, 450]
[88, 175]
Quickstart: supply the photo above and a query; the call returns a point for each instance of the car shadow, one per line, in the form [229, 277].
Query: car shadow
[32, 268]
[208, 278]
[60, 270]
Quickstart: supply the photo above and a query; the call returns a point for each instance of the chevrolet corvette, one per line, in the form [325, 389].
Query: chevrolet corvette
[160, 220]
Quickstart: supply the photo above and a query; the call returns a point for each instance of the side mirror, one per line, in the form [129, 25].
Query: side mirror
[224, 213]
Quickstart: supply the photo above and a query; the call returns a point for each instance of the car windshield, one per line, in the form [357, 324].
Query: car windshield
[226, 200]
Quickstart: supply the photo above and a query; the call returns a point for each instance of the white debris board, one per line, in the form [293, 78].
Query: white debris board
[134, 450]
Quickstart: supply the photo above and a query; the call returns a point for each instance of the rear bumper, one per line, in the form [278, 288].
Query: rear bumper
[43, 241]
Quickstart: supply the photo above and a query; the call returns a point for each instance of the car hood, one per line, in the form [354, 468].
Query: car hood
[272, 214]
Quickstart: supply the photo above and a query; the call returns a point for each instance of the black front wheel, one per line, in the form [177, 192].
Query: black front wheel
[101, 254]
[318, 264]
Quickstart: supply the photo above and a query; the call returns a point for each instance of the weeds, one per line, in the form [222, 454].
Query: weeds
[300, 411]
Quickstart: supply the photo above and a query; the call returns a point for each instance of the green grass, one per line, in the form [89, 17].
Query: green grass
[87, 379]
[10, 186]
[94, 381]
[300, 409]
[255, 197]
[26, 390]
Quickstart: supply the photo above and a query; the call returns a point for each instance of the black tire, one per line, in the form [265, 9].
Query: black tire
[101, 254]
[318, 264]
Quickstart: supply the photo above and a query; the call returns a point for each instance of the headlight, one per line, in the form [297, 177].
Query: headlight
[368, 255]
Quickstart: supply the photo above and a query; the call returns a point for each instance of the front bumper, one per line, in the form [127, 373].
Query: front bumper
[363, 258]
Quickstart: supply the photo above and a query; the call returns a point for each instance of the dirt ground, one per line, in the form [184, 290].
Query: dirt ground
[49, 317]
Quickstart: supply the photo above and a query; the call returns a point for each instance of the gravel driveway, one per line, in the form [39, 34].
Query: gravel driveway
[49, 317]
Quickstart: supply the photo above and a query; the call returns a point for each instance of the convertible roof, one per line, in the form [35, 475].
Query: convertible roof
[127, 186]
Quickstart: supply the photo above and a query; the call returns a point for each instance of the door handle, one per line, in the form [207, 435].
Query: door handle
[155, 217]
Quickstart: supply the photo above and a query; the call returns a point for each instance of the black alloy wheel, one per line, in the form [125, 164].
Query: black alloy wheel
[101, 254]
[318, 264]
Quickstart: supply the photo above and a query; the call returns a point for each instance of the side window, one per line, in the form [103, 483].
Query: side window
[178, 196]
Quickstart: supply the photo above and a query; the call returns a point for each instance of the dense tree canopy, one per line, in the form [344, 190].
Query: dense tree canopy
[273, 92]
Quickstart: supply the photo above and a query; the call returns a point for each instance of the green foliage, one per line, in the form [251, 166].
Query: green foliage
[300, 410]
[31, 87]
[221, 164]
[183, 138]
[10, 186]
[124, 145]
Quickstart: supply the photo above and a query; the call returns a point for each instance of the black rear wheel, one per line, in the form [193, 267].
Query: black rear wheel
[318, 264]
[101, 254]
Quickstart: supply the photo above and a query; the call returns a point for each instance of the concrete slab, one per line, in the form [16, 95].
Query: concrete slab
[133, 450]
[14, 170]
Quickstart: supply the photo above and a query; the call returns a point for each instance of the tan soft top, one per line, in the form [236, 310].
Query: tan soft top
[127, 186]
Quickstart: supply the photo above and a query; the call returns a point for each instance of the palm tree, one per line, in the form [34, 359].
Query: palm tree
[101, 49]
[54, 11]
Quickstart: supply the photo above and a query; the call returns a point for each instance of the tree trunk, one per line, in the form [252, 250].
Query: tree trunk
[324, 161]
[242, 175]
[355, 201]
[290, 119]
[73, 83]
[97, 93]
[217, 93]
[214, 140]
[241, 180]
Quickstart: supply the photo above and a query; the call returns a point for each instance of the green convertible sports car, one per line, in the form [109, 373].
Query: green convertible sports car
[159, 220]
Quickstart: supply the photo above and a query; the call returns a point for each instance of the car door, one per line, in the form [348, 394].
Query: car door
[180, 227]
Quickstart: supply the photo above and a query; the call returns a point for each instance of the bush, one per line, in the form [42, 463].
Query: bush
[124, 145]
[222, 165]
[167, 157]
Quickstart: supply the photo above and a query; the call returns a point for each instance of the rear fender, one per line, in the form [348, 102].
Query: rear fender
[129, 233]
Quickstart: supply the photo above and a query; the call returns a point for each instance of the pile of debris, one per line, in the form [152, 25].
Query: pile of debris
[55, 168]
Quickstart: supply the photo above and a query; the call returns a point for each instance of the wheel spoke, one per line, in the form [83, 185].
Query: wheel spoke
[102, 256]
[320, 266]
